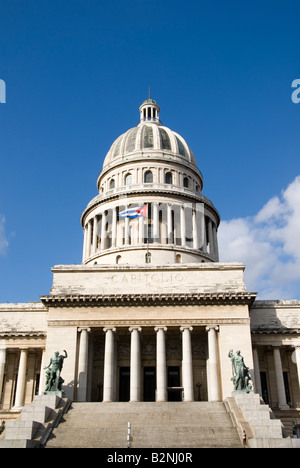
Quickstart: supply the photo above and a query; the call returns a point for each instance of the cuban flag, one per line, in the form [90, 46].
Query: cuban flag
[136, 212]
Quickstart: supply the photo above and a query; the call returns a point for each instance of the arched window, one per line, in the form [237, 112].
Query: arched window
[186, 182]
[168, 178]
[178, 258]
[118, 259]
[112, 184]
[128, 179]
[148, 177]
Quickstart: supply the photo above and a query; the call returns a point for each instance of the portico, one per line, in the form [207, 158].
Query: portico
[160, 331]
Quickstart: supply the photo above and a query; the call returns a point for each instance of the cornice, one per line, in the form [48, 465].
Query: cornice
[25, 333]
[221, 298]
[275, 331]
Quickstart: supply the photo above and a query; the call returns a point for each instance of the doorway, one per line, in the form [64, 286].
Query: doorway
[174, 389]
[124, 386]
[149, 383]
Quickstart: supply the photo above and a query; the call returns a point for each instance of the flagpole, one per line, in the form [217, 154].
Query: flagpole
[147, 237]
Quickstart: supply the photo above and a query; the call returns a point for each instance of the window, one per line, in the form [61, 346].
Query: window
[148, 257]
[168, 178]
[148, 177]
[128, 179]
[178, 258]
[118, 259]
[112, 184]
[186, 182]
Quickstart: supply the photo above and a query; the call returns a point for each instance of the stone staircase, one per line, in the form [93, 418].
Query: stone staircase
[287, 418]
[153, 425]
[257, 423]
[35, 422]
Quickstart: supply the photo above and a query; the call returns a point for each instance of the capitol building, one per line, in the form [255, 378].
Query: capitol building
[151, 314]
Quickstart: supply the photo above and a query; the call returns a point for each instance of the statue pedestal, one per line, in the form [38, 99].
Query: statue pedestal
[58, 393]
[241, 392]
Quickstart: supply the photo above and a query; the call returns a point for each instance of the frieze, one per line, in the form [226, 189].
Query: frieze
[147, 322]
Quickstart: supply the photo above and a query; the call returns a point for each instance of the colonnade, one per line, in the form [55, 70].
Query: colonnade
[149, 113]
[167, 224]
[109, 382]
[109, 379]
[282, 402]
[17, 392]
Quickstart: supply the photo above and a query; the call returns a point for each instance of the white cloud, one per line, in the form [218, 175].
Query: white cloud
[3, 240]
[269, 245]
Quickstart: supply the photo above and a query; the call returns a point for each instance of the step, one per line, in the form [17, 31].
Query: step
[177, 424]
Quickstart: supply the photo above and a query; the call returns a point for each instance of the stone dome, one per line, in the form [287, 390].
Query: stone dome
[150, 168]
[150, 139]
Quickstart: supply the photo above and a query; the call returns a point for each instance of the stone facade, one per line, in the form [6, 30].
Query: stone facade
[150, 314]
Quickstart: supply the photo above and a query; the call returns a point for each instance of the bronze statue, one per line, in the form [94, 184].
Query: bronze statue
[53, 370]
[240, 373]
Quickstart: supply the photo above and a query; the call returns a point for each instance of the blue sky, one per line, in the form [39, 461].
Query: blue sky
[76, 72]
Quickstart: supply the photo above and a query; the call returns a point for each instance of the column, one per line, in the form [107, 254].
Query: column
[135, 364]
[2, 366]
[297, 356]
[170, 234]
[282, 404]
[214, 393]
[42, 373]
[215, 242]
[126, 235]
[20, 390]
[155, 222]
[84, 243]
[141, 230]
[83, 364]
[256, 372]
[94, 243]
[88, 240]
[204, 247]
[114, 227]
[210, 238]
[103, 230]
[182, 225]
[161, 365]
[195, 230]
[187, 364]
[109, 364]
